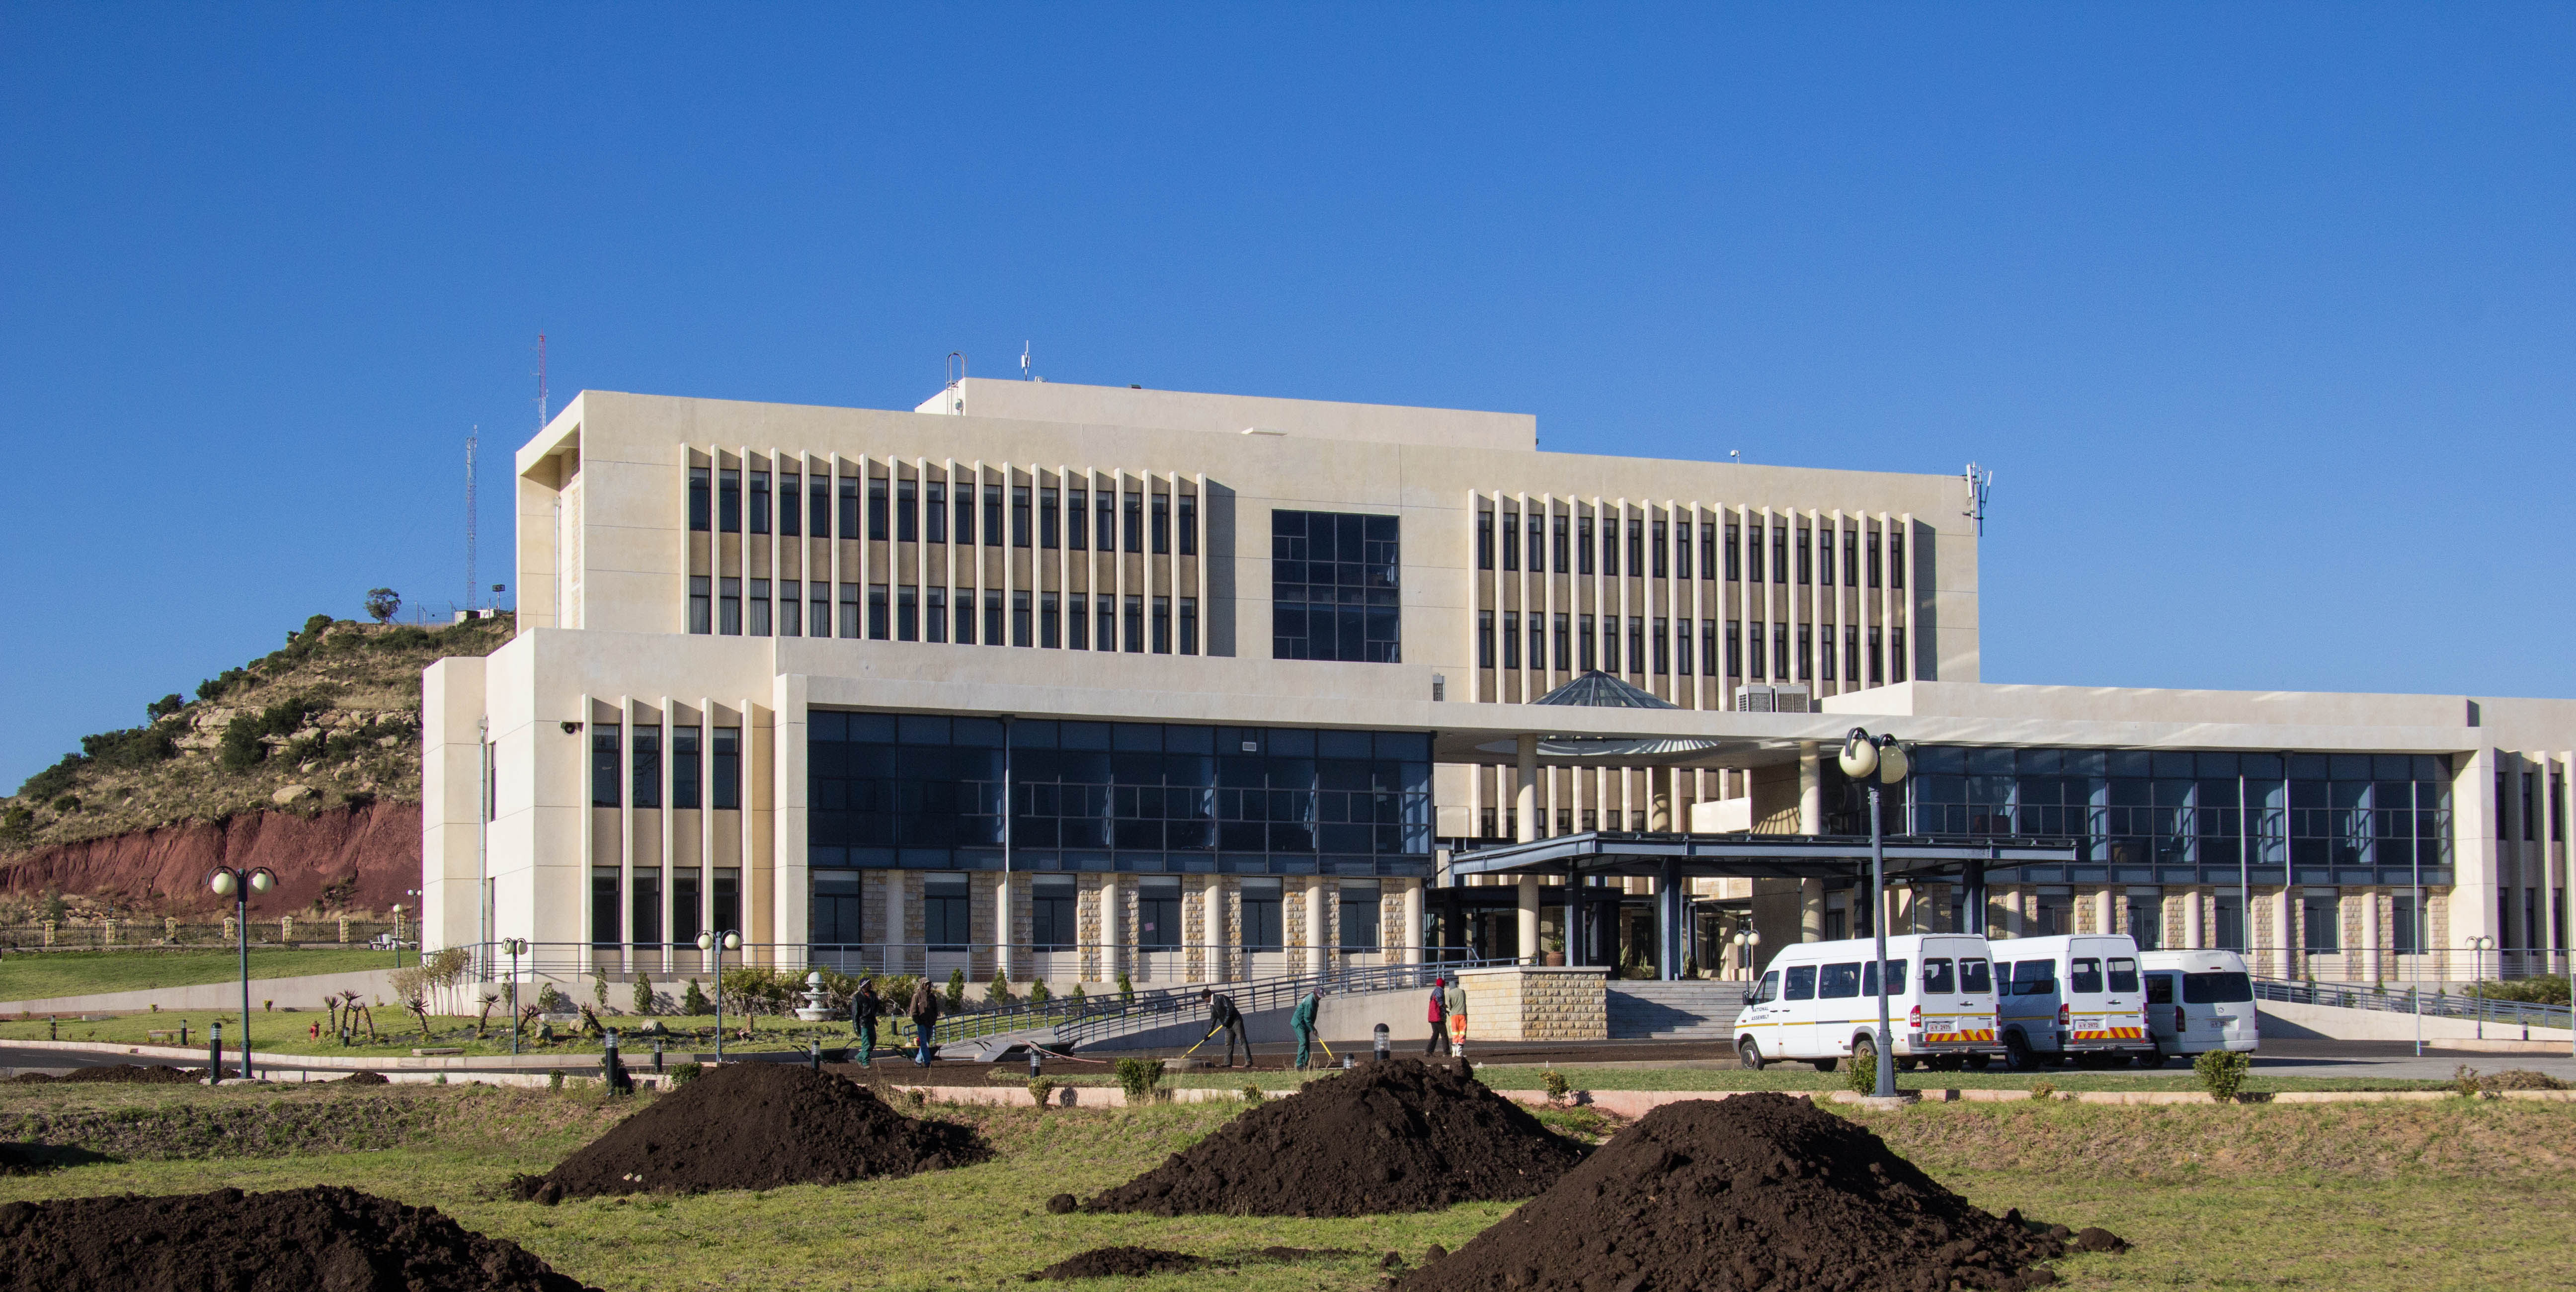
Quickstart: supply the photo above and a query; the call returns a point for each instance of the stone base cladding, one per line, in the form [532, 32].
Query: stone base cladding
[1537, 1004]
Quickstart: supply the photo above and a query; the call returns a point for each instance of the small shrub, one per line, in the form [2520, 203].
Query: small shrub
[643, 996]
[165, 706]
[239, 749]
[1254, 1094]
[1038, 993]
[550, 1000]
[1559, 1090]
[997, 993]
[1860, 1078]
[554, 1080]
[684, 1073]
[695, 1001]
[956, 992]
[1041, 1092]
[2464, 1081]
[2222, 1072]
[1126, 989]
[2043, 1090]
[1140, 1078]
[599, 991]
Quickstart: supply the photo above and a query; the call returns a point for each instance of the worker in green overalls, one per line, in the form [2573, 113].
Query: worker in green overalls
[1303, 1023]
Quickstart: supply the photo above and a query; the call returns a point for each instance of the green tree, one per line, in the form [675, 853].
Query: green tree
[643, 995]
[956, 989]
[165, 706]
[997, 993]
[383, 604]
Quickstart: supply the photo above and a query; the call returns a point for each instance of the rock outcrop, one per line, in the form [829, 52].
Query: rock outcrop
[358, 857]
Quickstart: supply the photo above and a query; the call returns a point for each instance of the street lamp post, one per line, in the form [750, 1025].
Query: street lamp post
[1878, 760]
[719, 943]
[2478, 977]
[1747, 940]
[239, 884]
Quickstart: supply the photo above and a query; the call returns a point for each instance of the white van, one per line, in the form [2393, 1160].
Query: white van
[1818, 1002]
[2198, 1001]
[2075, 996]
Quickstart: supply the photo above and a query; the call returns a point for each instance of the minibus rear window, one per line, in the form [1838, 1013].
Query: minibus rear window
[1974, 979]
[2124, 974]
[1895, 978]
[1939, 978]
[1802, 983]
[2226, 987]
[2084, 976]
[1839, 982]
[2034, 978]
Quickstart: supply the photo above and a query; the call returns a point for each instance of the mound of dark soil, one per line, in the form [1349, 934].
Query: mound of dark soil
[1396, 1136]
[755, 1126]
[1757, 1191]
[364, 1079]
[1119, 1263]
[303, 1240]
[157, 1074]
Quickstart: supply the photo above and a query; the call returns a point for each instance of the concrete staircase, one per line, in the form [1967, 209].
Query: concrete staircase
[1687, 1010]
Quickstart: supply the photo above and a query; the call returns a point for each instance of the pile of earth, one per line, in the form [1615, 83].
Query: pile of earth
[157, 1074]
[755, 1126]
[1756, 1191]
[303, 1240]
[1119, 1263]
[1403, 1135]
[363, 1079]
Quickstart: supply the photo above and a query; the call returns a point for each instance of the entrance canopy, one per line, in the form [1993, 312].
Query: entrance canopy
[1759, 856]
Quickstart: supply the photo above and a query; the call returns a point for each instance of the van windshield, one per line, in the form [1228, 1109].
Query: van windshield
[2084, 976]
[2034, 978]
[1974, 979]
[2224, 987]
[1939, 978]
[1895, 978]
[2124, 974]
[1770, 989]
[1802, 983]
[1839, 981]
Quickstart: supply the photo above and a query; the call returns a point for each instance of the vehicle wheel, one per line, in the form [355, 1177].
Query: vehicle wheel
[1908, 1065]
[1825, 1065]
[2155, 1060]
[1864, 1055]
[1946, 1062]
[1748, 1055]
[2017, 1053]
[1981, 1062]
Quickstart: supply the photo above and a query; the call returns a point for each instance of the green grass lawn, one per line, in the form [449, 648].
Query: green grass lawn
[2355, 1198]
[398, 1033]
[35, 975]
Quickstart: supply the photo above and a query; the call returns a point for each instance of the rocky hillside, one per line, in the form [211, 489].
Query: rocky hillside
[325, 731]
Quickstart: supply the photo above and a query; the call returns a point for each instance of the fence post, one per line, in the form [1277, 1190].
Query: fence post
[49, 933]
[107, 932]
[344, 929]
[170, 928]
[285, 930]
[228, 928]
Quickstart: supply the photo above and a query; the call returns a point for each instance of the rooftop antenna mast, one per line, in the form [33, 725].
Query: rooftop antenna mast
[1980, 484]
[472, 438]
[544, 415]
[1024, 361]
[957, 381]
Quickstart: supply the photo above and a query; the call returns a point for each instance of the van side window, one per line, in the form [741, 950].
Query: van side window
[2034, 978]
[2084, 976]
[2224, 987]
[1974, 978]
[1802, 983]
[1769, 990]
[1839, 982]
[2124, 974]
[1895, 978]
[1939, 978]
[2160, 989]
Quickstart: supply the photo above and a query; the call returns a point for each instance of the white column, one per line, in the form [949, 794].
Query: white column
[1529, 947]
[1811, 910]
[1811, 790]
[1218, 955]
[1002, 926]
[2370, 970]
[2105, 905]
[1659, 792]
[1109, 921]
[1525, 799]
[1412, 943]
[1316, 938]
[2191, 919]
[2283, 958]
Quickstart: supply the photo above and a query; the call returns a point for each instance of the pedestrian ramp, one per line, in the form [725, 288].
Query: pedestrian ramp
[1689, 1009]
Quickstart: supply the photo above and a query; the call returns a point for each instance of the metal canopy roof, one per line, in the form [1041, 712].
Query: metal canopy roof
[1760, 856]
[1598, 690]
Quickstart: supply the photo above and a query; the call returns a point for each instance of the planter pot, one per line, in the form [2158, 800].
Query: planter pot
[1553, 959]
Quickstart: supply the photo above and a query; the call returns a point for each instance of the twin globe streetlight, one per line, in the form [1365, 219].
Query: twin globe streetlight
[719, 943]
[238, 884]
[1878, 761]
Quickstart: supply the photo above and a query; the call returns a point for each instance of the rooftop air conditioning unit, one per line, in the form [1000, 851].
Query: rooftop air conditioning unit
[1773, 699]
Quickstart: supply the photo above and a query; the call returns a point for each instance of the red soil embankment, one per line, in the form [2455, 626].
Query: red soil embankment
[356, 858]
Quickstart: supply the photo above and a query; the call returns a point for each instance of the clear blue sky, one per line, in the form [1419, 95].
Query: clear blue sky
[2263, 315]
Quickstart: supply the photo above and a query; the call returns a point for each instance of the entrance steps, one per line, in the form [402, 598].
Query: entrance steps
[1691, 1009]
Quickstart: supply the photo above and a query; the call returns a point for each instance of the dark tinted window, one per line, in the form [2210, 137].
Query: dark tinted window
[2084, 976]
[1940, 977]
[1895, 978]
[1335, 587]
[2160, 989]
[1838, 981]
[2124, 974]
[2034, 978]
[1974, 978]
[1802, 983]
[2225, 987]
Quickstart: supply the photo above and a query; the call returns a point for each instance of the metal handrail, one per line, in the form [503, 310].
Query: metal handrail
[2411, 1000]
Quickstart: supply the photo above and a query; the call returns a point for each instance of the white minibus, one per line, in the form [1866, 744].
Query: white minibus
[1818, 1002]
[2199, 1001]
[2076, 996]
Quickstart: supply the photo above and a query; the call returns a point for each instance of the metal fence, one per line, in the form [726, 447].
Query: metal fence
[1160, 965]
[2431, 1003]
[151, 934]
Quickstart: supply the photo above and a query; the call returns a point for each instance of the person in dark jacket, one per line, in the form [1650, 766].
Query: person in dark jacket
[1439, 1015]
[924, 1009]
[866, 1007]
[1224, 1017]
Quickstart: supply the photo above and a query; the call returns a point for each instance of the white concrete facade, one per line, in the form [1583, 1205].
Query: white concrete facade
[671, 600]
